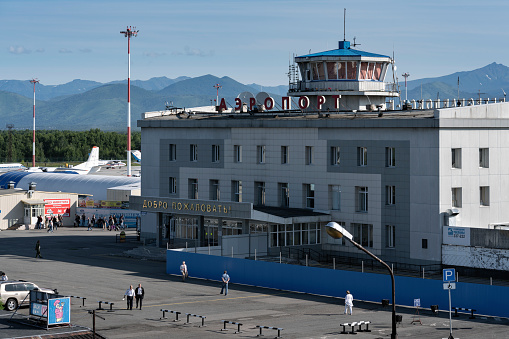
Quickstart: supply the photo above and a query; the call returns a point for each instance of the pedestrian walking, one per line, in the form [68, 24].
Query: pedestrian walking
[130, 295]
[93, 220]
[4, 277]
[225, 280]
[348, 302]
[38, 249]
[140, 293]
[76, 220]
[89, 224]
[50, 226]
[183, 270]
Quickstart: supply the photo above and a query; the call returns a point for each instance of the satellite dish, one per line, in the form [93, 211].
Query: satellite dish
[245, 98]
[260, 100]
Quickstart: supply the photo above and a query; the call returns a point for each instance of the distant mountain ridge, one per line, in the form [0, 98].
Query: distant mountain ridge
[84, 104]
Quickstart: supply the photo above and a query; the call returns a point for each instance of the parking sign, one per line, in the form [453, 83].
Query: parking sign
[449, 274]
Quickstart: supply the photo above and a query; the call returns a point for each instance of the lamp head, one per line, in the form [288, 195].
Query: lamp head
[336, 231]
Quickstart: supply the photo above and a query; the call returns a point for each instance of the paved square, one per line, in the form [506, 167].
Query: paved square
[89, 264]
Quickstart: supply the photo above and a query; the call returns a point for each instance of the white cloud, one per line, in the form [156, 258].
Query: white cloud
[85, 50]
[64, 51]
[19, 50]
[153, 54]
[188, 51]
[40, 50]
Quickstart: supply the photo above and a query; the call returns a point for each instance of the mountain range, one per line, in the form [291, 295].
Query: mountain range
[84, 104]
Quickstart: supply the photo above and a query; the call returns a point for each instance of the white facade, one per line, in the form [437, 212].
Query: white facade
[400, 162]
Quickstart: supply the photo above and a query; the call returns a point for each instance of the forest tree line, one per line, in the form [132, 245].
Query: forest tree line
[64, 146]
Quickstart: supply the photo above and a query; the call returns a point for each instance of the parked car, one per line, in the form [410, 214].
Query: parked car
[14, 293]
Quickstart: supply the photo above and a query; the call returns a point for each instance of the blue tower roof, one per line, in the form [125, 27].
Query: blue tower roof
[344, 50]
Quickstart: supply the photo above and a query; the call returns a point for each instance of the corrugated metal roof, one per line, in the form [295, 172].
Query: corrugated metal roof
[95, 185]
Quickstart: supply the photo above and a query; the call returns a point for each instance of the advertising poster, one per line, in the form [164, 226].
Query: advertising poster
[59, 311]
[57, 206]
[38, 310]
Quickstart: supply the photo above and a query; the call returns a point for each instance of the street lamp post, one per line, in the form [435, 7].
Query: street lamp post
[336, 231]
[33, 81]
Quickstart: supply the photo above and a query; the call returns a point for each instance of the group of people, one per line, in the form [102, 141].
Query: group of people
[131, 293]
[51, 223]
[111, 224]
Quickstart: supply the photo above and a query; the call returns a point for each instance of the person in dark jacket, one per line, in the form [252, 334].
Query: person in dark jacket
[139, 293]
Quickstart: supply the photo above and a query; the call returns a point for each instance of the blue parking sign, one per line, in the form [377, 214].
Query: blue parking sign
[449, 274]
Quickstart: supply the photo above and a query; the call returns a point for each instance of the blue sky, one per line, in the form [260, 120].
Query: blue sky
[57, 41]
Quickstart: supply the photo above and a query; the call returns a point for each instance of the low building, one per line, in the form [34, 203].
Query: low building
[20, 208]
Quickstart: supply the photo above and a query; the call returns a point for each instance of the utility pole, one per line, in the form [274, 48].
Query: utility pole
[406, 75]
[10, 127]
[33, 81]
[128, 33]
[217, 87]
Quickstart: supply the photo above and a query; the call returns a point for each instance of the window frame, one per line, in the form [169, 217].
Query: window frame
[172, 185]
[172, 152]
[260, 154]
[456, 158]
[390, 195]
[456, 197]
[484, 157]
[216, 155]
[390, 236]
[193, 152]
[237, 153]
[362, 156]
[237, 190]
[285, 154]
[390, 157]
[335, 155]
[362, 199]
[484, 196]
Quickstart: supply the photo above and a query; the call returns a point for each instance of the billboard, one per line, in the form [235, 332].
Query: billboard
[59, 311]
[57, 206]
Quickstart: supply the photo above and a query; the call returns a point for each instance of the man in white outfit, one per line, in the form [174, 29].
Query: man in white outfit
[348, 302]
[183, 270]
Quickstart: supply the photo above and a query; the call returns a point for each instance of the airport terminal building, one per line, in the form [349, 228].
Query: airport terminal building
[266, 180]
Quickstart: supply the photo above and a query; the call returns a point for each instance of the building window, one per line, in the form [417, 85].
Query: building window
[424, 243]
[231, 227]
[237, 153]
[214, 189]
[260, 154]
[335, 155]
[193, 152]
[456, 157]
[173, 152]
[309, 155]
[215, 153]
[363, 234]
[260, 193]
[391, 235]
[173, 185]
[284, 154]
[361, 199]
[390, 157]
[295, 235]
[284, 195]
[362, 156]
[193, 188]
[237, 190]
[335, 191]
[484, 192]
[484, 157]
[186, 228]
[310, 195]
[390, 195]
[456, 197]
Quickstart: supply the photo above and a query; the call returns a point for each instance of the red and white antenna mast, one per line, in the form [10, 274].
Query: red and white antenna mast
[217, 87]
[128, 33]
[33, 81]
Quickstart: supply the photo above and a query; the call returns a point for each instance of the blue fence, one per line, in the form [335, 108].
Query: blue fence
[486, 299]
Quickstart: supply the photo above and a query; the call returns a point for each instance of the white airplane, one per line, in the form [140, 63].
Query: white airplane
[114, 164]
[12, 167]
[89, 166]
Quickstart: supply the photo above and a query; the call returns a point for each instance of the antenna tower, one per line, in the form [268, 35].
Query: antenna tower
[128, 33]
[33, 81]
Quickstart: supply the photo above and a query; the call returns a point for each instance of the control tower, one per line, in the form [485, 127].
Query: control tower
[342, 79]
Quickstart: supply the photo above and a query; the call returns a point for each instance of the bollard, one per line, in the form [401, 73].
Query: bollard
[491, 281]
[255, 253]
[232, 251]
[280, 257]
[334, 263]
[306, 259]
[423, 273]
[362, 266]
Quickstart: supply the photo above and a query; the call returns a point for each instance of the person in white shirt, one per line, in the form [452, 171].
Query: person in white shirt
[4, 277]
[130, 295]
[348, 302]
[183, 270]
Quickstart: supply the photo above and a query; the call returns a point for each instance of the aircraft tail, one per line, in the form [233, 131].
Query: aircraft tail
[137, 155]
[93, 160]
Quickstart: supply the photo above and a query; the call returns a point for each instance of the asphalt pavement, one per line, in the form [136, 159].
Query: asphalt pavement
[92, 265]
